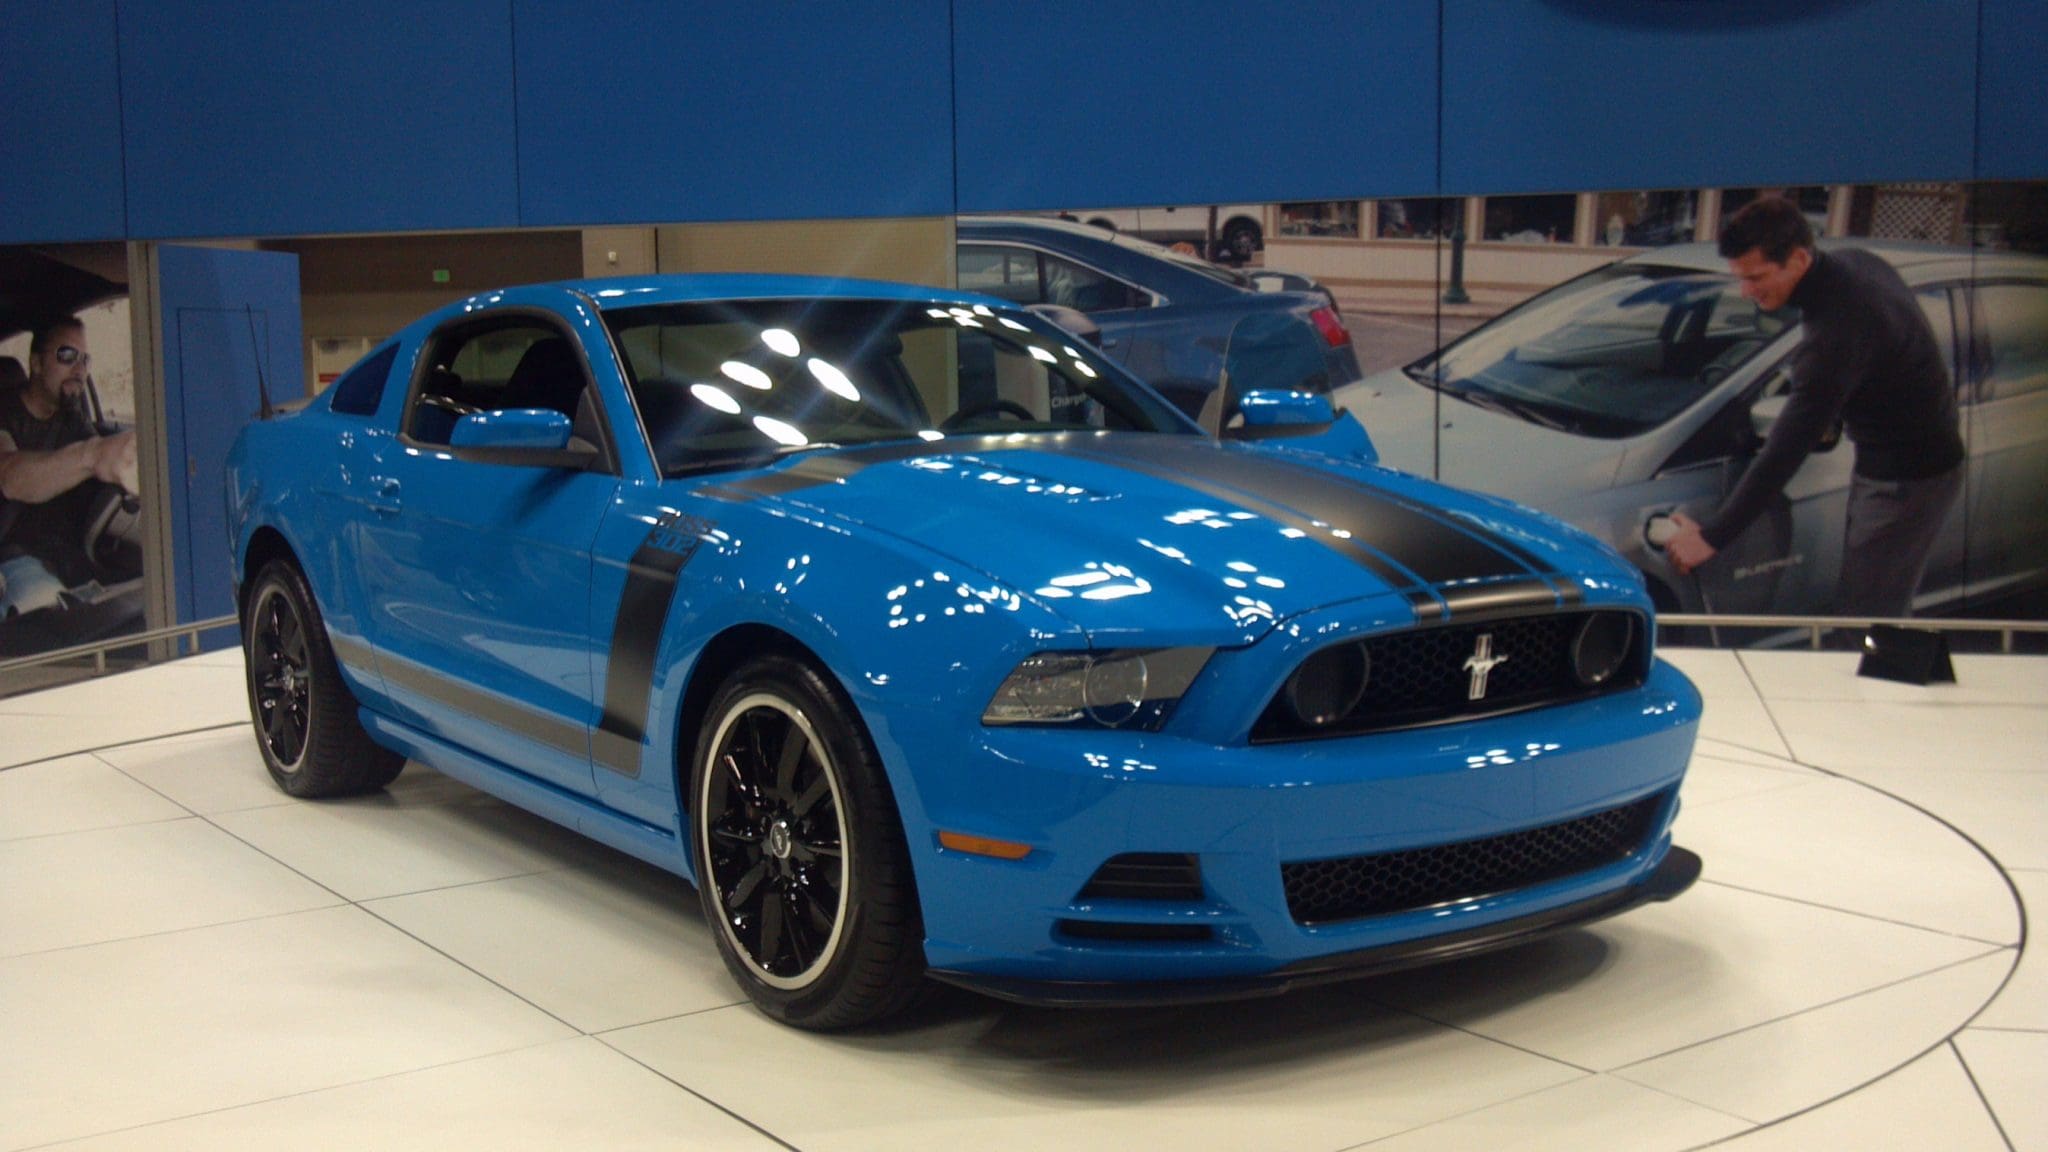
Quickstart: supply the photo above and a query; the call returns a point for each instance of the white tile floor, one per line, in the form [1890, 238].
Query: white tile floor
[190, 959]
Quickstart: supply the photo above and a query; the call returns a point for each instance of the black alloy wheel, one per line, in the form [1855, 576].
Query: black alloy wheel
[304, 715]
[800, 859]
[777, 839]
[280, 678]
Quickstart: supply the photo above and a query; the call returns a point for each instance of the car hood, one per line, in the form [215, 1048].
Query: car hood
[1473, 447]
[1179, 539]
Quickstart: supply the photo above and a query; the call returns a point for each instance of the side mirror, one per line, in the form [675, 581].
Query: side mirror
[520, 428]
[1276, 407]
[1304, 419]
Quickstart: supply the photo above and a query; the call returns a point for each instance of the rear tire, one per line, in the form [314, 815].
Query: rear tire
[799, 852]
[305, 717]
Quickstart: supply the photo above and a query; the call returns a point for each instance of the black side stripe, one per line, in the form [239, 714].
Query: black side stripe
[621, 732]
[457, 696]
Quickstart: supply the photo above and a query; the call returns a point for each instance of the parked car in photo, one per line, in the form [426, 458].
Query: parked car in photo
[1647, 386]
[927, 642]
[1240, 230]
[1166, 317]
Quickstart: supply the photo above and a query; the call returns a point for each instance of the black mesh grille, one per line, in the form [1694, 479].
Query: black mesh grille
[1423, 676]
[1320, 891]
[1146, 876]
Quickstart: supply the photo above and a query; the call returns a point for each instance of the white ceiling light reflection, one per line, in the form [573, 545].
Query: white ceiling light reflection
[780, 432]
[1006, 322]
[931, 434]
[747, 374]
[712, 396]
[782, 340]
[1038, 353]
[833, 379]
[1097, 582]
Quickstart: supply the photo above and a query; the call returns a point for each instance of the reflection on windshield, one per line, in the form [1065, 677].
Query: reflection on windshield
[1610, 354]
[735, 384]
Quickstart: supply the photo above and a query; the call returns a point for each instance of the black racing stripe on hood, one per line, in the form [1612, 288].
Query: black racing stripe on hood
[834, 466]
[1435, 550]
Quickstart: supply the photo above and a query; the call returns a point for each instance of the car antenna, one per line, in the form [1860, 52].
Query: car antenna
[263, 411]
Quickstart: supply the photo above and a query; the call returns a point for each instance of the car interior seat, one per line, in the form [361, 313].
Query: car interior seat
[548, 375]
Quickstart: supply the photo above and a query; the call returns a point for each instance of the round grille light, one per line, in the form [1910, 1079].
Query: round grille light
[1328, 685]
[1113, 689]
[1602, 647]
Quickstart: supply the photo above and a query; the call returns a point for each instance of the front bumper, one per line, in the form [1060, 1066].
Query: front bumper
[1676, 874]
[1243, 813]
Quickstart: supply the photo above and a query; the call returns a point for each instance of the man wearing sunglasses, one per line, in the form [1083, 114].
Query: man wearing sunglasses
[49, 449]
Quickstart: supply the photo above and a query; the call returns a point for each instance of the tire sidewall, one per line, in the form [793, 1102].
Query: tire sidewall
[278, 579]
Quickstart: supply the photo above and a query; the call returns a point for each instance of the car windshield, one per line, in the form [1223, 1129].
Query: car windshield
[1610, 354]
[733, 384]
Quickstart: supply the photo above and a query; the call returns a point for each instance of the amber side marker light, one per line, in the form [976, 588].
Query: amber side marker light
[983, 846]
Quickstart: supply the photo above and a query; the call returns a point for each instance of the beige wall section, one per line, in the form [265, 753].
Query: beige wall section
[918, 250]
[364, 288]
[618, 251]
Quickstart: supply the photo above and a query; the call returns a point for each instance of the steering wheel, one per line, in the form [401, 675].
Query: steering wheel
[112, 536]
[447, 404]
[992, 408]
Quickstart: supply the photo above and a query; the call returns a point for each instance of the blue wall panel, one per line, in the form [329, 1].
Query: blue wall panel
[1557, 95]
[652, 111]
[1071, 103]
[263, 120]
[2012, 142]
[60, 124]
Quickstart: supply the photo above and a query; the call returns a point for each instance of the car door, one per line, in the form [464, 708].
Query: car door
[2007, 431]
[478, 562]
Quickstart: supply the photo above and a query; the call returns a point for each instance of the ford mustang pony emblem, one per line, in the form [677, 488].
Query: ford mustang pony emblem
[1480, 663]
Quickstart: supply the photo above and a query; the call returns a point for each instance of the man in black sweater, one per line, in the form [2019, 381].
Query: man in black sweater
[1869, 360]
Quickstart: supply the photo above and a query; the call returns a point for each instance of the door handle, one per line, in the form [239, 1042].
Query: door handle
[384, 495]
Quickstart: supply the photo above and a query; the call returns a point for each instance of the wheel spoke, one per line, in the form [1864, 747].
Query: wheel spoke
[744, 888]
[794, 916]
[770, 944]
[819, 788]
[794, 744]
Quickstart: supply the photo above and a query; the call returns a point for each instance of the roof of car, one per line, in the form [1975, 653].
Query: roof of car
[1903, 254]
[627, 291]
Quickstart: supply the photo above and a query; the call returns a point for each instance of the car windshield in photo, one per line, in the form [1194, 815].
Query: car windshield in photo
[734, 383]
[1611, 354]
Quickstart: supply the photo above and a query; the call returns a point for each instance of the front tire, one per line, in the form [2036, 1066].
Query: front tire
[305, 717]
[799, 853]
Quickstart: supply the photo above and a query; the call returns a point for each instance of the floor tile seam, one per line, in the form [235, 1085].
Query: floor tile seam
[461, 884]
[1453, 1026]
[1865, 915]
[1622, 1070]
[34, 836]
[1787, 767]
[1945, 1043]
[1990, 1109]
[603, 1034]
[242, 1105]
[2012, 1029]
[180, 930]
[1693, 804]
[732, 1113]
[469, 968]
[98, 748]
[1472, 1111]
[1782, 753]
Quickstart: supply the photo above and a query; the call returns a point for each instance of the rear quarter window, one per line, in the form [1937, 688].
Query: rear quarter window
[361, 388]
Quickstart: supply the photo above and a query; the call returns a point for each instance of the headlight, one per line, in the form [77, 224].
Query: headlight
[1120, 688]
[1602, 646]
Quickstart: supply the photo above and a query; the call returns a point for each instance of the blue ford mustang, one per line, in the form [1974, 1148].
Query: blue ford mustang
[927, 642]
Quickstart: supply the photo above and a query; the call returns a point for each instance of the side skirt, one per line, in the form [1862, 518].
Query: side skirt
[658, 846]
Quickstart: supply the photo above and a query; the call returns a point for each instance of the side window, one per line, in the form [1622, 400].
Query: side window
[361, 388]
[1939, 306]
[520, 364]
[1085, 289]
[2013, 321]
[1008, 273]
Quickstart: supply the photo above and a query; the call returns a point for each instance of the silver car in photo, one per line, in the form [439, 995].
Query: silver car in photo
[1647, 385]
